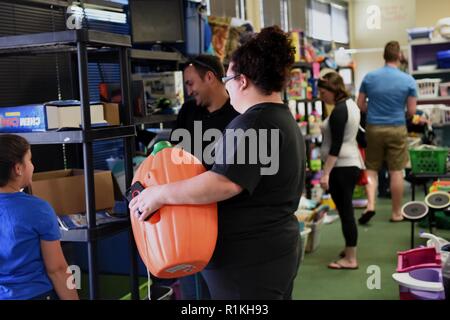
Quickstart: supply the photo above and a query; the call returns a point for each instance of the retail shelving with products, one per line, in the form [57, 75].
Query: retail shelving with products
[435, 100]
[424, 64]
[82, 42]
[422, 56]
[432, 75]
[142, 57]
[301, 99]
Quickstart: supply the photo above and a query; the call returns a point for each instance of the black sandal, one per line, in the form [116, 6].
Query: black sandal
[366, 216]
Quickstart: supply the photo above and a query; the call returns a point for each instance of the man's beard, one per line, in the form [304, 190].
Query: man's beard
[204, 104]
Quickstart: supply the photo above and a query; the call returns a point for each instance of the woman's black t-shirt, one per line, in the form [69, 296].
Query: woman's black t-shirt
[259, 224]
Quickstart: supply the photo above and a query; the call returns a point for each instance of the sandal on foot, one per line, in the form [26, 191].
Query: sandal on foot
[392, 220]
[366, 216]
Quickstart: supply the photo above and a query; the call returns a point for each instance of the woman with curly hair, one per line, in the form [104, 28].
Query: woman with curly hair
[257, 250]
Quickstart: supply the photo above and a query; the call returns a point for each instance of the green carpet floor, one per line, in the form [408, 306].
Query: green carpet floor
[378, 244]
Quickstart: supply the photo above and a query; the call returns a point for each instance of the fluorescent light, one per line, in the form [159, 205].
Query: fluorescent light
[100, 15]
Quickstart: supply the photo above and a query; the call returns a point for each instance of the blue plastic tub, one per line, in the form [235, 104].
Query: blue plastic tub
[443, 59]
[420, 33]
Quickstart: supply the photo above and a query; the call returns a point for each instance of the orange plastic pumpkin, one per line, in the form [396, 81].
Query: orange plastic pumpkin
[177, 240]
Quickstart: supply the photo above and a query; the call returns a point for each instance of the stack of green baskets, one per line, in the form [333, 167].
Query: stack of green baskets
[428, 159]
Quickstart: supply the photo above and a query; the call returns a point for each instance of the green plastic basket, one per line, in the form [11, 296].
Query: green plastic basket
[428, 159]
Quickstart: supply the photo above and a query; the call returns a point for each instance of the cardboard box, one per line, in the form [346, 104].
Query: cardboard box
[29, 118]
[69, 113]
[48, 116]
[64, 190]
[112, 115]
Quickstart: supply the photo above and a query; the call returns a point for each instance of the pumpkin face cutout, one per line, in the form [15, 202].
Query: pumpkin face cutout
[177, 240]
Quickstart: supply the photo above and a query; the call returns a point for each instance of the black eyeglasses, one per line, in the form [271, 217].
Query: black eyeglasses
[228, 78]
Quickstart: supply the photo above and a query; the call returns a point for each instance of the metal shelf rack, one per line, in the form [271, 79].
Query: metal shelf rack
[80, 42]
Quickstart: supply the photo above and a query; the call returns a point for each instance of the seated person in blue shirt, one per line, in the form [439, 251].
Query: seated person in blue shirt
[32, 264]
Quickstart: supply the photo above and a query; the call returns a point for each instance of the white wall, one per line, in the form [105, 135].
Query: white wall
[428, 12]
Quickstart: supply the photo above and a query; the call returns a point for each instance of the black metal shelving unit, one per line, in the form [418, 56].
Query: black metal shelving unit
[156, 118]
[81, 42]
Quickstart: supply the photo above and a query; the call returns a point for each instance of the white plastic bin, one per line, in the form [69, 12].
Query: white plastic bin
[314, 237]
[304, 236]
[428, 88]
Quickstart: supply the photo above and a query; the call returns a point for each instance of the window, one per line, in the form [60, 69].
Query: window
[339, 23]
[271, 13]
[328, 21]
[284, 15]
[240, 9]
[297, 10]
[320, 21]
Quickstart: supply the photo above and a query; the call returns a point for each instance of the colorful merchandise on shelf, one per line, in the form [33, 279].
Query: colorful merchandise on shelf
[48, 116]
[299, 43]
[359, 197]
[316, 192]
[440, 186]
[328, 201]
[315, 163]
[315, 123]
[297, 85]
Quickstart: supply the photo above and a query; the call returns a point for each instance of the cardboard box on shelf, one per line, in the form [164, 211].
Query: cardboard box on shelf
[49, 116]
[64, 190]
[112, 114]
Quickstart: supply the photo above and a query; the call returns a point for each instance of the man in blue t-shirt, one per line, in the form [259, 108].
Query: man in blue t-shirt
[384, 94]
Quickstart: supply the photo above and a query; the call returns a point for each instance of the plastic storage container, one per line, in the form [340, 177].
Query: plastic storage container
[418, 258]
[443, 59]
[428, 159]
[314, 237]
[442, 134]
[428, 88]
[420, 284]
[444, 89]
[157, 292]
[304, 236]
[420, 33]
[446, 279]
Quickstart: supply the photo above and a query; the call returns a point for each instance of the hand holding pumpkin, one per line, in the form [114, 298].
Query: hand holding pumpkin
[147, 202]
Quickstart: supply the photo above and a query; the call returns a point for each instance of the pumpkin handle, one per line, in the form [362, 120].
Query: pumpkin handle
[150, 179]
[154, 217]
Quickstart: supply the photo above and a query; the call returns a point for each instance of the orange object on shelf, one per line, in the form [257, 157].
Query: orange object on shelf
[177, 240]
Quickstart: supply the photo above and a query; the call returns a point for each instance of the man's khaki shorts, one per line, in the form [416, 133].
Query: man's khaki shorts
[386, 143]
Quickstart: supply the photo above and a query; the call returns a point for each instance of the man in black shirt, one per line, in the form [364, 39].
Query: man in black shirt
[209, 108]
